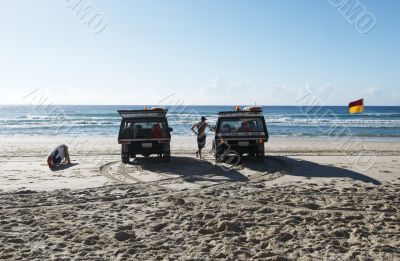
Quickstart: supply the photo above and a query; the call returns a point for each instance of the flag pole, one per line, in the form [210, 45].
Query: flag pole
[358, 107]
[363, 126]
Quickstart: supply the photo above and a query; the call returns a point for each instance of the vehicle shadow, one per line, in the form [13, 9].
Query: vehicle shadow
[270, 164]
[64, 166]
[309, 169]
[190, 169]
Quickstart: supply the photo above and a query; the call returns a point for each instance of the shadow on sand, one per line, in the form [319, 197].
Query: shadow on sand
[298, 167]
[309, 169]
[190, 169]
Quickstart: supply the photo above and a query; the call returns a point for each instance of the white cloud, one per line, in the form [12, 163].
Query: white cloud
[218, 91]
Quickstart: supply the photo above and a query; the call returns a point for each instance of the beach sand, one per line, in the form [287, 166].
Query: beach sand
[311, 199]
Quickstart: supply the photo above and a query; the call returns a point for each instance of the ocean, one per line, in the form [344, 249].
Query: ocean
[382, 122]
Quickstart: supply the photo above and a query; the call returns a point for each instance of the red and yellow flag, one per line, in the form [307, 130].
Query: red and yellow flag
[356, 106]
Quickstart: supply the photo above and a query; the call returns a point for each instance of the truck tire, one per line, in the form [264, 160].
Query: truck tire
[220, 157]
[125, 153]
[220, 153]
[125, 158]
[166, 156]
[260, 153]
[217, 157]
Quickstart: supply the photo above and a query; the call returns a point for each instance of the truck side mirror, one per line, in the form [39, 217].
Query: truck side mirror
[171, 129]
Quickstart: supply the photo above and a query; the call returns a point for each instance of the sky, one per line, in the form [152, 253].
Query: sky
[266, 52]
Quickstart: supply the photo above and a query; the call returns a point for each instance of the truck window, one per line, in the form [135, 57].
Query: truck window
[240, 125]
[144, 130]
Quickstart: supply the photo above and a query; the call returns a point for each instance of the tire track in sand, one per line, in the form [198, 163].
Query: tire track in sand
[122, 176]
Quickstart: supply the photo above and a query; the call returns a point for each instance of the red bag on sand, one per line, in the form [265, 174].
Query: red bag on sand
[50, 162]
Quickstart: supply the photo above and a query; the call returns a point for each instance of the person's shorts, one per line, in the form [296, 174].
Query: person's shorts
[201, 141]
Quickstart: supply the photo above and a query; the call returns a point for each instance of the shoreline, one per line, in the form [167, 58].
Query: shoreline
[278, 137]
[209, 136]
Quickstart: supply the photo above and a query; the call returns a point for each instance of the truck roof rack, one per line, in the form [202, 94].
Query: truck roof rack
[247, 111]
[239, 113]
[130, 114]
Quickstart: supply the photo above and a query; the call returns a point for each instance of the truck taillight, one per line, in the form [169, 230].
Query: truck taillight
[220, 141]
[261, 141]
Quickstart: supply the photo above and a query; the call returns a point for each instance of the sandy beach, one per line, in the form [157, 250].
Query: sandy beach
[299, 98]
[311, 199]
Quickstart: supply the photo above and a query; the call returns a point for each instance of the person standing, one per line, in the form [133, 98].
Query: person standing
[201, 134]
[58, 156]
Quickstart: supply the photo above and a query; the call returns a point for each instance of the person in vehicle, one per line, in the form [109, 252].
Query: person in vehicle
[156, 131]
[58, 156]
[245, 126]
[201, 134]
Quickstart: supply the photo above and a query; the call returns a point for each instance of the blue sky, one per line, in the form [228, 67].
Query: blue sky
[198, 52]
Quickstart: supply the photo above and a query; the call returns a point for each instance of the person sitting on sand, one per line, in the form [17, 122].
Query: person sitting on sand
[201, 134]
[58, 156]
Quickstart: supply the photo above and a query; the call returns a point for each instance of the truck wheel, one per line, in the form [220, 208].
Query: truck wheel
[133, 156]
[166, 156]
[260, 156]
[219, 158]
[125, 158]
[240, 155]
[260, 153]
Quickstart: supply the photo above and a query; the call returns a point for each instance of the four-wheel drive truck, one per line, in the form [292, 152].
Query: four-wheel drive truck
[144, 132]
[240, 132]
